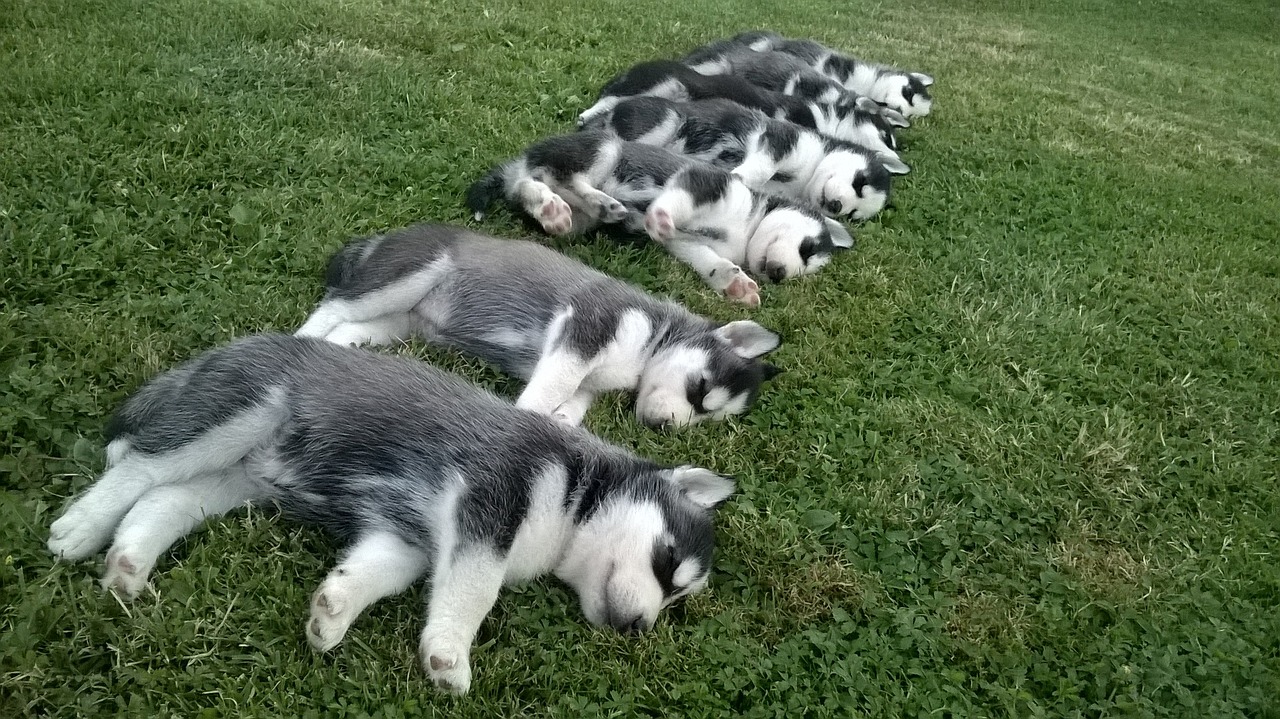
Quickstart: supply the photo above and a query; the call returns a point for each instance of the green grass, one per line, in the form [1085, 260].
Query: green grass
[1022, 462]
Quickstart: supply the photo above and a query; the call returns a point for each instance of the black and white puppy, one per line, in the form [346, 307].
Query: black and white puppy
[702, 214]
[773, 156]
[569, 330]
[857, 120]
[903, 90]
[421, 473]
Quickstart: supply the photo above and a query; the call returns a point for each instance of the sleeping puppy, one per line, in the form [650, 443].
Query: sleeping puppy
[903, 90]
[841, 179]
[702, 214]
[852, 119]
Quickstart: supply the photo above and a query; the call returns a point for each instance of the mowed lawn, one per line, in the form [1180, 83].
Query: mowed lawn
[1022, 461]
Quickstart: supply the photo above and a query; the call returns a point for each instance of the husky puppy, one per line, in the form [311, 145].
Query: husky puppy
[703, 215]
[422, 473]
[570, 331]
[772, 156]
[858, 120]
[905, 91]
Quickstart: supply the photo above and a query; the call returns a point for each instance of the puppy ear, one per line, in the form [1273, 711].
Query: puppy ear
[894, 118]
[702, 486]
[866, 104]
[924, 79]
[748, 339]
[893, 163]
[771, 371]
[840, 237]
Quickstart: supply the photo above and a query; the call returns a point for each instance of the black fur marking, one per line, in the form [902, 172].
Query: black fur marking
[563, 156]
[367, 264]
[705, 184]
[664, 567]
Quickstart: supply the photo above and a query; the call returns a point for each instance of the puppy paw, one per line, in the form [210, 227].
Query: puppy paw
[612, 211]
[77, 534]
[330, 617]
[555, 215]
[126, 574]
[448, 668]
[565, 417]
[659, 224]
[743, 289]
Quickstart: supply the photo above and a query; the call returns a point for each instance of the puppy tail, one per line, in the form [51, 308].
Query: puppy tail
[485, 191]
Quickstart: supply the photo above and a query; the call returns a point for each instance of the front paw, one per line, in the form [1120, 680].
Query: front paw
[448, 667]
[330, 618]
[77, 534]
[659, 224]
[126, 574]
[743, 289]
[612, 211]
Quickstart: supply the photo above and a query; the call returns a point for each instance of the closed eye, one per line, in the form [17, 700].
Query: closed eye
[859, 183]
[697, 394]
[806, 250]
[907, 94]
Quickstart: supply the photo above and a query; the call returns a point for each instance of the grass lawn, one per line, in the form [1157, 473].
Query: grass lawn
[1022, 461]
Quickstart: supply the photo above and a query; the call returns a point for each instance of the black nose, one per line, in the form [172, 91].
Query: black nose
[630, 624]
[776, 273]
[833, 206]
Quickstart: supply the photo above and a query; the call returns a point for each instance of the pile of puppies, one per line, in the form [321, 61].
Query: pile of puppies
[740, 158]
[427, 475]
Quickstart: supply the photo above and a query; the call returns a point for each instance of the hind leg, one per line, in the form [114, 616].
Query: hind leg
[544, 205]
[390, 299]
[163, 516]
[572, 411]
[381, 331]
[378, 565]
[87, 524]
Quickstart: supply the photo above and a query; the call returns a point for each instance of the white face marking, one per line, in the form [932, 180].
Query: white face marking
[887, 89]
[609, 563]
[663, 397]
[774, 251]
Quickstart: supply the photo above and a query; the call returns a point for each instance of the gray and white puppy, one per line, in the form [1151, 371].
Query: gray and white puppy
[421, 473]
[703, 215]
[569, 330]
[903, 90]
[858, 120]
[773, 156]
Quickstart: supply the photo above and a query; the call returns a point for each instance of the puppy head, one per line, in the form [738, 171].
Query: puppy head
[709, 373]
[642, 539]
[908, 93]
[849, 183]
[791, 241]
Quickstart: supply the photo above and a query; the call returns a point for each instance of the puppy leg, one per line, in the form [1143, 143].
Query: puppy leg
[602, 106]
[718, 272]
[544, 205]
[572, 411]
[756, 169]
[380, 331]
[463, 589]
[391, 299]
[608, 209]
[554, 382]
[378, 565]
[164, 515]
[88, 522]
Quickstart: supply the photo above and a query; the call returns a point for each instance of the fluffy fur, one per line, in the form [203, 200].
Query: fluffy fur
[703, 215]
[773, 156]
[421, 473]
[570, 331]
[858, 120]
[758, 57]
